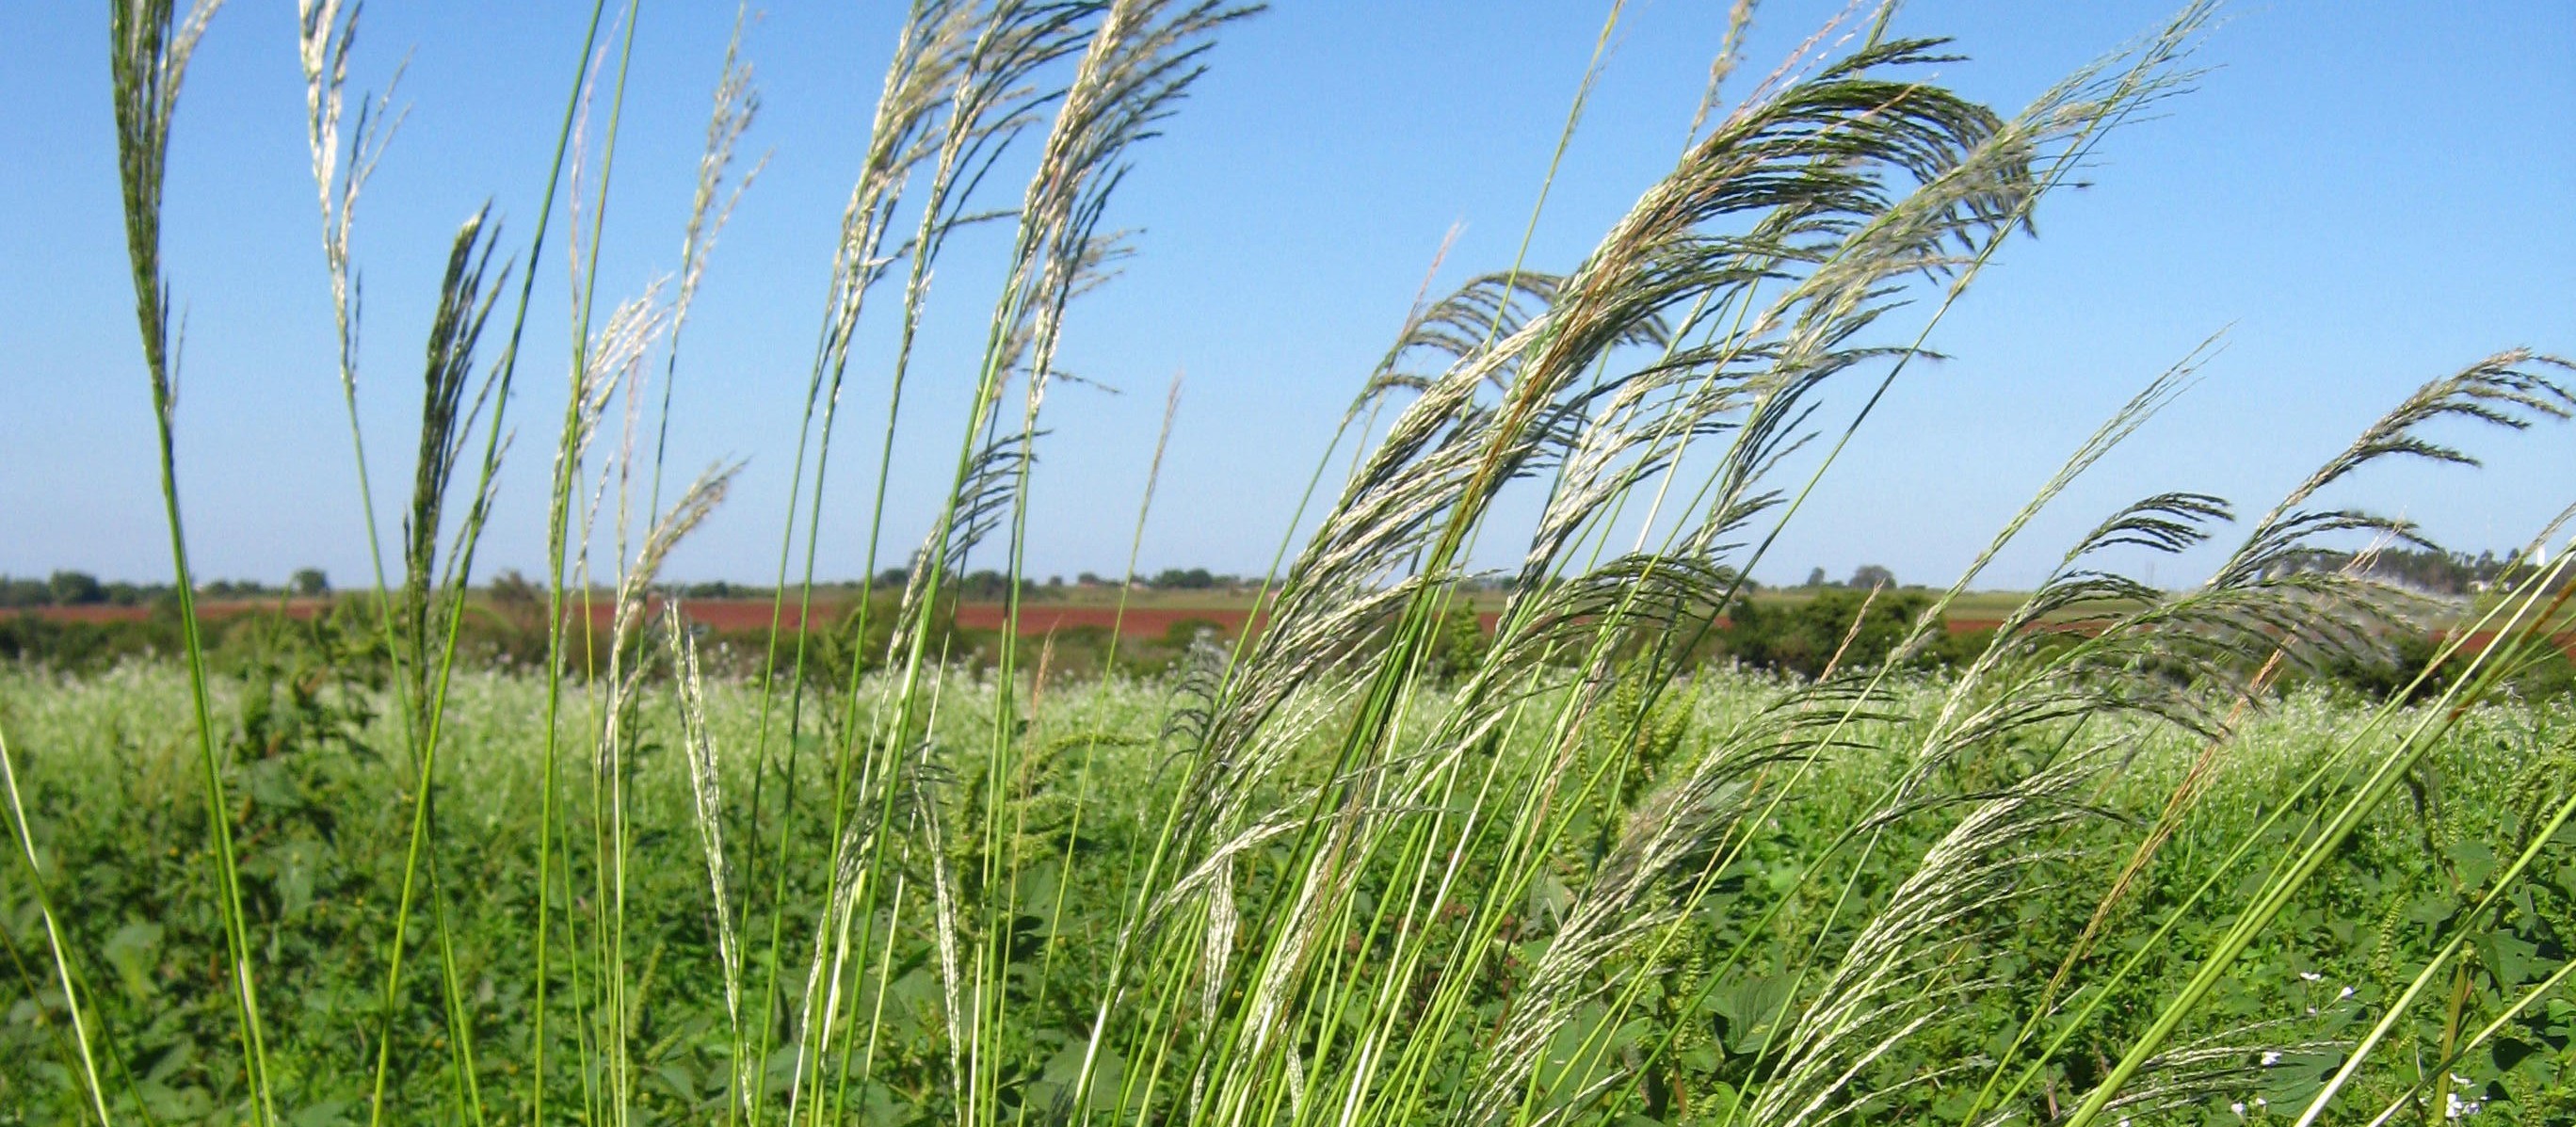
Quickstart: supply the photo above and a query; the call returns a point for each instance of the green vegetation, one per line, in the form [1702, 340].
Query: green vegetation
[1370, 862]
[101, 756]
[75, 589]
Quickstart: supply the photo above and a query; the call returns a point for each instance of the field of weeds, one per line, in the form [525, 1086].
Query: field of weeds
[1692, 1022]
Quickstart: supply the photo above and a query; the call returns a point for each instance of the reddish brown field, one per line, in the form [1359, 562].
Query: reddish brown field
[1045, 618]
[1036, 618]
[745, 614]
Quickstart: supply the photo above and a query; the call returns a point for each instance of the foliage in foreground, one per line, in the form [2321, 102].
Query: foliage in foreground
[106, 761]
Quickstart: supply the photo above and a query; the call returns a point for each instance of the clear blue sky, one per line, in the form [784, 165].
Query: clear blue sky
[2364, 195]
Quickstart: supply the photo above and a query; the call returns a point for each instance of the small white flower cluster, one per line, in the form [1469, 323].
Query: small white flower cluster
[2460, 1108]
[2341, 992]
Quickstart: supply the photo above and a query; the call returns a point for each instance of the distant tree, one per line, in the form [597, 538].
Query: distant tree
[1816, 577]
[24, 592]
[2424, 569]
[1867, 576]
[893, 577]
[1175, 579]
[518, 600]
[1087, 579]
[309, 582]
[76, 588]
[1055, 581]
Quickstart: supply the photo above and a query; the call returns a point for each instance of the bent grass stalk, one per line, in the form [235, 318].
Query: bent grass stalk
[53, 935]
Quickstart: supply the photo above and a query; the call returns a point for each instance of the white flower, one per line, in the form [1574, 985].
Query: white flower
[2238, 1107]
[2347, 992]
[2270, 1058]
[2310, 976]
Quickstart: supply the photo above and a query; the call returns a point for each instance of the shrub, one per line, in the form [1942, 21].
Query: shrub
[1804, 636]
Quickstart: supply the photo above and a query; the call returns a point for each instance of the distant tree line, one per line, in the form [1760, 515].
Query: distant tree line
[81, 589]
[2429, 570]
[1866, 577]
[1833, 627]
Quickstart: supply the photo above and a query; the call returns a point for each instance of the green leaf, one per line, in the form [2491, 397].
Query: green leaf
[132, 950]
[2472, 860]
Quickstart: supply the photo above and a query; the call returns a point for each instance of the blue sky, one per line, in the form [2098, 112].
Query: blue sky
[2362, 196]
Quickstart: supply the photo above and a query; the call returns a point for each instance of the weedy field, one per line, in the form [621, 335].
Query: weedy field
[1369, 863]
[1688, 1023]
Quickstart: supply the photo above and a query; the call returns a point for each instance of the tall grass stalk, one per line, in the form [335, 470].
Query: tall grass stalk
[53, 937]
[582, 403]
[148, 56]
[939, 80]
[325, 34]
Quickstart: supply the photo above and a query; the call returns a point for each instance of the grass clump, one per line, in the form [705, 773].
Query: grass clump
[1365, 863]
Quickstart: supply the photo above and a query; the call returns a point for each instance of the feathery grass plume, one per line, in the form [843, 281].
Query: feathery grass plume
[326, 35]
[1136, 61]
[2232, 632]
[935, 73]
[613, 361]
[706, 805]
[1798, 162]
[432, 601]
[1917, 953]
[950, 91]
[610, 767]
[610, 362]
[326, 31]
[735, 104]
[148, 51]
[2508, 390]
[447, 421]
[1139, 64]
[2089, 687]
[1739, 19]
[1374, 872]
[1861, 1010]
